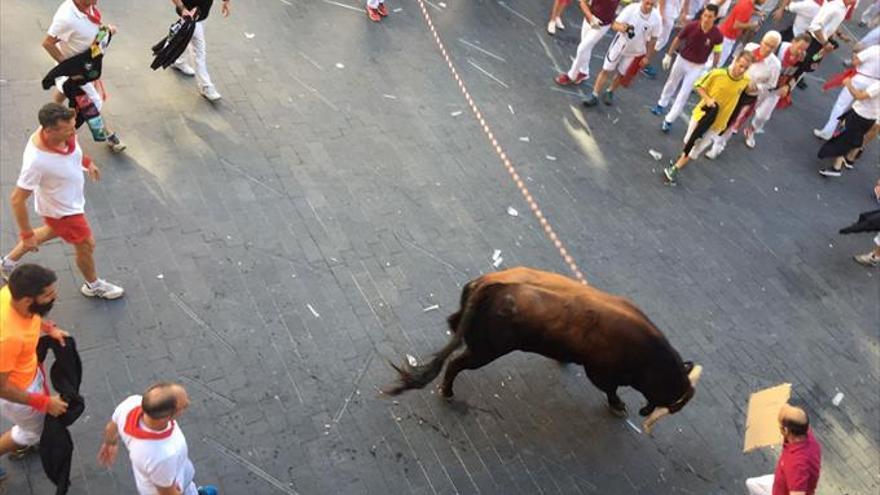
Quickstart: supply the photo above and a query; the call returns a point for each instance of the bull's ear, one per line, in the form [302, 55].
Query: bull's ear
[688, 366]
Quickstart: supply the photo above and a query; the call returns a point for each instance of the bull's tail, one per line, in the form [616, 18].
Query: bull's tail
[419, 376]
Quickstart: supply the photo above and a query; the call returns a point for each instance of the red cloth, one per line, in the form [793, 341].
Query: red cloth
[632, 71]
[836, 80]
[798, 467]
[92, 13]
[73, 229]
[741, 12]
[133, 427]
[697, 45]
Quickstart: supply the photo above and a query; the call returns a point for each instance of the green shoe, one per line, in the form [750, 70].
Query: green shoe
[608, 98]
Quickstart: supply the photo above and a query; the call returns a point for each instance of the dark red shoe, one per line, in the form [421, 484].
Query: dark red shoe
[581, 77]
[373, 14]
[383, 10]
[563, 79]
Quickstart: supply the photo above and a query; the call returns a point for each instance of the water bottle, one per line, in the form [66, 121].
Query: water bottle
[96, 125]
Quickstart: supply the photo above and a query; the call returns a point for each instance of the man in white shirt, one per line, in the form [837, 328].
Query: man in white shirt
[637, 27]
[763, 76]
[53, 168]
[73, 29]
[845, 146]
[196, 51]
[804, 11]
[672, 13]
[867, 66]
[823, 28]
[156, 446]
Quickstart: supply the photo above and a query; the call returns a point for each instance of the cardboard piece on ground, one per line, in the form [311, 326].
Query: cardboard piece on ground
[762, 421]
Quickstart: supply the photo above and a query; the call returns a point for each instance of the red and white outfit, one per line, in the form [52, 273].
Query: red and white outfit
[27, 422]
[603, 14]
[741, 12]
[76, 30]
[867, 72]
[624, 50]
[765, 107]
[158, 458]
[57, 180]
[671, 11]
[695, 48]
[804, 11]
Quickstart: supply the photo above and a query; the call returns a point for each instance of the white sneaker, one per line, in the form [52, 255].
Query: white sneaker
[102, 289]
[551, 28]
[210, 92]
[184, 68]
[559, 24]
[6, 268]
[819, 133]
[867, 259]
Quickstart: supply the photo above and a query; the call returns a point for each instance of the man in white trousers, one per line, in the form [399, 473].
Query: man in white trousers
[867, 66]
[763, 76]
[598, 16]
[694, 44]
[672, 13]
[790, 56]
[196, 52]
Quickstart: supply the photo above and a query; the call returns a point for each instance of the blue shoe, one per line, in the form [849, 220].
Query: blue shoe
[591, 101]
[665, 127]
[658, 110]
[208, 490]
[650, 72]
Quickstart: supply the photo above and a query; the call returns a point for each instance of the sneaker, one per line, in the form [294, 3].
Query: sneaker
[867, 259]
[115, 144]
[665, 127]
[750, 137]
[669, 173]
[714, 152]
[208, 489]
[819, 133]
[559, 25]
[373, 14]
[19, 454]
[210, 92]
[802, 84]
[184, 68]
[829, 172]
[658, 110]
[382, 10]
[591, 101]
[564, 80]
[102, 289]
[608, 98]
[649, 71]
[551, 28]
[6, 268]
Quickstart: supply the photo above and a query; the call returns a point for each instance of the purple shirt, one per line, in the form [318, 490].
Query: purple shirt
[696, 45]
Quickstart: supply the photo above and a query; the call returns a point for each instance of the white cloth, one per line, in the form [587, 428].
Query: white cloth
[56, 180]
[869, 108]
[589, 37]
[764, 108]
[374, 4]
[73, 28]
[727, 46]
[763, 75]
[620, 64]
[683, 73]
[160, 462]
[196, 54]
[868, 72]
[645, 27]
[27, 422]
[804, 12]
[762, 485]
[829, 17]
[671, 12]
[872, 38]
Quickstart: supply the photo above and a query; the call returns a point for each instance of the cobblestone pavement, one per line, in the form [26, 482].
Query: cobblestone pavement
[279, 247]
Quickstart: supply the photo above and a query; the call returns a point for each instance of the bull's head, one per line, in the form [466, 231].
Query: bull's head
[693, 374]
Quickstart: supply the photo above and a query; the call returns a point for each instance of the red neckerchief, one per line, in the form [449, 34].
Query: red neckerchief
[789, 59]
[757, 55]
[93, 13]
[133, 427]
[71, 144]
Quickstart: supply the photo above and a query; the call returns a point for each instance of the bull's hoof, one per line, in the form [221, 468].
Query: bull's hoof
[646, 410]
[617, 410]
[445, 392]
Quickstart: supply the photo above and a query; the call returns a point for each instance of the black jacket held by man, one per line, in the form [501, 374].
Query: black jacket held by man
[56, 445]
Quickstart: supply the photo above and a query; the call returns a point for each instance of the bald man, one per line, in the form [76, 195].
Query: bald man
[797, 472]
[156, 446]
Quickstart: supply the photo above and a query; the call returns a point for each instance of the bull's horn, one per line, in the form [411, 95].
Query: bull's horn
[694, 375]
[658, 413]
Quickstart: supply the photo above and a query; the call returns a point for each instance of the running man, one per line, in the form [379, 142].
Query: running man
[598, 16]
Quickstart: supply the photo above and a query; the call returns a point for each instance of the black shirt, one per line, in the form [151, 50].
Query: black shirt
[204, 7]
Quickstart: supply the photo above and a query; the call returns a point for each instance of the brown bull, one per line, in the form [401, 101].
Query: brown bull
[523, 309]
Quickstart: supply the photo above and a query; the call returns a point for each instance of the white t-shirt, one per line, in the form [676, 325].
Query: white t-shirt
[56, 180]
[161, 462]
[646, 26]
[73, 28]
[763, 75]
[868, 70]
[804, 12]
[829, 17]
[869, 108]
